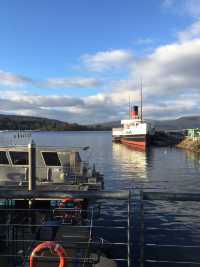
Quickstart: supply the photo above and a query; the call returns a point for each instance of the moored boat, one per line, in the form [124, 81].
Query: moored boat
[53, 166]
[134, 132]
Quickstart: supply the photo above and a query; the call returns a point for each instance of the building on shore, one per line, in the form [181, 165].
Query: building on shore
[193, 134]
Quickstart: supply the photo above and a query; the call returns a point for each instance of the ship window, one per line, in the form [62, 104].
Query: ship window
[3, 158]
[51, 158]
[19, 157]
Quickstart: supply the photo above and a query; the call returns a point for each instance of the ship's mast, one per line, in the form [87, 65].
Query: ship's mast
[141, 96]
[129, 107]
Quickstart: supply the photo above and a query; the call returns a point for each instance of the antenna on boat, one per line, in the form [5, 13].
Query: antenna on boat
[141, 96]
[129, 99]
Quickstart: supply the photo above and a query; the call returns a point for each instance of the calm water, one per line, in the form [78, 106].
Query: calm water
[159, 169]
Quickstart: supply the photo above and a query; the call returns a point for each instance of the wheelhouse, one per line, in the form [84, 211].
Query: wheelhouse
[52, 164]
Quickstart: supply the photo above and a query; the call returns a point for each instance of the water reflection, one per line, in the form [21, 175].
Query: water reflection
[194, 158]
[133, 163]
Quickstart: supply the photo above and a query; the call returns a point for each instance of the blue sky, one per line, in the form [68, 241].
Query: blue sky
[80, 60]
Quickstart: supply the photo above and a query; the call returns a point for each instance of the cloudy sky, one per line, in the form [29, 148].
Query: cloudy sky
[81, 60]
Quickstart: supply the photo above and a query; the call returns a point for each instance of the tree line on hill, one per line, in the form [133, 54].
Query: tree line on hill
[14, 122]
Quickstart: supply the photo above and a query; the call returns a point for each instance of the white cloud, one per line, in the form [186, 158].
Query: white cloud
[170, 67]
[191, 32]
[9, 79]
[170, 79]
[31, 100]
[183, 7]
[12, 80]
[73, 82]
[107, 60]
[171, 85]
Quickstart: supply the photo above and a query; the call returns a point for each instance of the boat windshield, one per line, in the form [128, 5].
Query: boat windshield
[19, 157]
[51, 158]
[3, 158]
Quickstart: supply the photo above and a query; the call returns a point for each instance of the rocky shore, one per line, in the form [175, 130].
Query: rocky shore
[189, 144]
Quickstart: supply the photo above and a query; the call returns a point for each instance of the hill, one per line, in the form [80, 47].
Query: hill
[176, 124]
[15, 122]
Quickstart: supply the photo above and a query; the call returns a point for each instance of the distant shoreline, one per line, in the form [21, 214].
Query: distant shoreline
[14, 123]
[18, 122]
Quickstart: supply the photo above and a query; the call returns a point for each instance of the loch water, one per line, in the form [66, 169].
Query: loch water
[159, 169]
[162, 168]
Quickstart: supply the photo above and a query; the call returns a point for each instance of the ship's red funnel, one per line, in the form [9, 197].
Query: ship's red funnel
[134, 112]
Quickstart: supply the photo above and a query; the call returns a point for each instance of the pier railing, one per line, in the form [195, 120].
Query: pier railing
[168, 229]
[26, 221]
[174, 231]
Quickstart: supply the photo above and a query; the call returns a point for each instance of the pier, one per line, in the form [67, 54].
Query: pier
[113, 226]
[22, 227]
[25, 227]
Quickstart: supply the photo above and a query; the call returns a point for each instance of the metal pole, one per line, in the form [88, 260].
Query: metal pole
[32, 166]
[141, 229]
[19, 194]
[128, 231]
[141, 107]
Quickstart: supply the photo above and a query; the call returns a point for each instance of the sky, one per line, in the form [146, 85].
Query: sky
[82, 60]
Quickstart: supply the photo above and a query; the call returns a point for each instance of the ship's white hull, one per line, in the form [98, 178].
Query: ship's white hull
[137, 135]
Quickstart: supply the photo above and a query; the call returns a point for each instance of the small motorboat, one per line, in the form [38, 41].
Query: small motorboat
[54, 166]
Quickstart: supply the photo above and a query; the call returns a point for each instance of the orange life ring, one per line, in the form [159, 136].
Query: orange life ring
[68, 200]
[52, 246]
[73, 200]
[76, 201]
[65, 201]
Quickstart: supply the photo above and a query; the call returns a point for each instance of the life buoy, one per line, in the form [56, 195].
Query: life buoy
[68, 200]
[53, 247]
[76, 201]
[65, 201]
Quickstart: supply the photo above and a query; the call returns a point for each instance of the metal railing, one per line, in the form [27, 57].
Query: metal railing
[105, 227]
[170, 243]
[100, 229]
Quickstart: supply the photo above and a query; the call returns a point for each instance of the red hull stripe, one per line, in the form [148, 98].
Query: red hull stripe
[134, 143]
